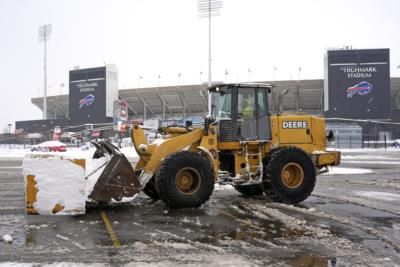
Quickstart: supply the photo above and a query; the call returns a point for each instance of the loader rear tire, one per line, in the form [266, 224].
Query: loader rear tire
[289, 175]
[185, 180]
[250, 189]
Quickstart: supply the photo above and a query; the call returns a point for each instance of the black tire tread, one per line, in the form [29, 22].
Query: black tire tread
[150, 190]
[272, 175]
[165, 178]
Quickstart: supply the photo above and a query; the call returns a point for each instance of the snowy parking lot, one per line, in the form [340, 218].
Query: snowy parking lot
[351, 219]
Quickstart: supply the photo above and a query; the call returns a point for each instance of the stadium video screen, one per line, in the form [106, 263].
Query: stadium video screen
[359, 84]
[87, 95]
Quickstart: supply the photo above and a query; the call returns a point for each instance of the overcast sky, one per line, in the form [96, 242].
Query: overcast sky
[158, 37]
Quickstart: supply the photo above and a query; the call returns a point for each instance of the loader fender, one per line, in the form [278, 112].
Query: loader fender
[210, 158]
[166, 148]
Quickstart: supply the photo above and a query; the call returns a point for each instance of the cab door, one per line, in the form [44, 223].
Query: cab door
[246, 114]
[252, 114]
[263, 120]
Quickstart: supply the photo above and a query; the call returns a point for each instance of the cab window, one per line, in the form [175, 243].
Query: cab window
[222, 103]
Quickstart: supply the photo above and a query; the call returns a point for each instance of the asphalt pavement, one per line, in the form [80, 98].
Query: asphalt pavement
[350, 220]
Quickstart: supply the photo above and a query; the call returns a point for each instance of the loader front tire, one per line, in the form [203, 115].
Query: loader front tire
[289, 175]
[185, 180]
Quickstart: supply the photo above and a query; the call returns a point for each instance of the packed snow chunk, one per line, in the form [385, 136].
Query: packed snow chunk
[54, 184]
[341, 170]
[94, 168]
[7, 238]
[378, 195]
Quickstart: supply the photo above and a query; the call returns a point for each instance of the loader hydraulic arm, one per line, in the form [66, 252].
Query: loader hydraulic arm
[152, 155]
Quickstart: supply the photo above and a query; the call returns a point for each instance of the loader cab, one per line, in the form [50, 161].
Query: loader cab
[241, 111]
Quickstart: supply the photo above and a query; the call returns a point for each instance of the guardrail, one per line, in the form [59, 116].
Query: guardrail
[363, 141]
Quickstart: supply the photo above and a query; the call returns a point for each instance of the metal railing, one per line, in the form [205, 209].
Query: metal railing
[361, 141]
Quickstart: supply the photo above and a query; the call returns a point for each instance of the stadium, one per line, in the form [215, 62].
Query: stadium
[374, 114]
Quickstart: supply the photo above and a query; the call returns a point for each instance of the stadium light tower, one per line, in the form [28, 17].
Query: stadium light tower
[208, 9]
[9, 134]
[44, 36]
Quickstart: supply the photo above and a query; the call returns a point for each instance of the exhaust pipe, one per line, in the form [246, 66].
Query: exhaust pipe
[280, 100]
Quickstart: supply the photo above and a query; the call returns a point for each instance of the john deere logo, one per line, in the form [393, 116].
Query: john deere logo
[294, 125]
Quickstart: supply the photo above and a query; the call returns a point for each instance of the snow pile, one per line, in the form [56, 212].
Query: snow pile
[65, 180]
[60, 182]
[94, 167]
[7, 238]
[13, 153]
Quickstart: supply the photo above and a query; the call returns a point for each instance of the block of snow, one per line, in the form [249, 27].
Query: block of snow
[7, 238]
[54, 184]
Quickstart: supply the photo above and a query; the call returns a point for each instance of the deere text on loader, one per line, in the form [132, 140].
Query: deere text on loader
[241, 143]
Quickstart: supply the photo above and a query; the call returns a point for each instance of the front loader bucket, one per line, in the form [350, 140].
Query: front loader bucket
[118, 179]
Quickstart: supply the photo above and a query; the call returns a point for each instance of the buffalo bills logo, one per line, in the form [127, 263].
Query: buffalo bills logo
[361, 88]
[86, 101]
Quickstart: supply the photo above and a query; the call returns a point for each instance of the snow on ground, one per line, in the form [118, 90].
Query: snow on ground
[372, 162]
[20, 152]
[212, 260]
[219, 187]
[370, 157]
[341, 170]
[378, 195]
[57, 264]
[129, 152]
[12, 153]
[360, 150]
[7, 238]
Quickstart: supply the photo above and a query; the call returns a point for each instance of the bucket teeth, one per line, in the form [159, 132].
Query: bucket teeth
[103, 148]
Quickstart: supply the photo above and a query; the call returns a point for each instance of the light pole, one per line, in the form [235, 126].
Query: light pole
[44, 36]
[298, 91]
[298, 78]
[274, 69]
[208, 9]
[139, 79]
[9, 134]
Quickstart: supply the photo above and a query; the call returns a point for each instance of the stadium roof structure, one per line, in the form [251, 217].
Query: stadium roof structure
[191, 100]
[171, 100]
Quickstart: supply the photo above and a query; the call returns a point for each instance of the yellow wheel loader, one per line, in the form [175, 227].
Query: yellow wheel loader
[241, 143]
